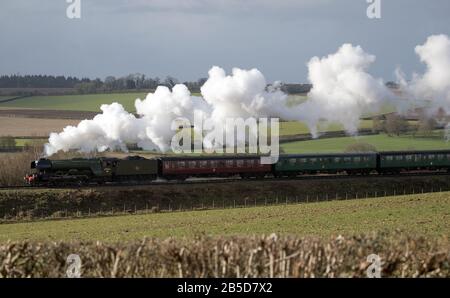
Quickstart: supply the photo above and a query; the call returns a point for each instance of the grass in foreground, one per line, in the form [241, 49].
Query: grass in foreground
[426, 214]
[381, 142]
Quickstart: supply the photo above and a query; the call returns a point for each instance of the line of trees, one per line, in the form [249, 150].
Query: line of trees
[39, 81]
[86, 85]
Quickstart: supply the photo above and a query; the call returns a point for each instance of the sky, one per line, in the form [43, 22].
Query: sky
[185, 38]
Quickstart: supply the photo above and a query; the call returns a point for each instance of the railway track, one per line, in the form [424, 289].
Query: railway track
[230, 180]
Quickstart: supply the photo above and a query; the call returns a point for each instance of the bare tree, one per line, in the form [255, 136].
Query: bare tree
[395, 124]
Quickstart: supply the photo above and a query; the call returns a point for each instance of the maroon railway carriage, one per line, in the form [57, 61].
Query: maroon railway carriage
[219, 166]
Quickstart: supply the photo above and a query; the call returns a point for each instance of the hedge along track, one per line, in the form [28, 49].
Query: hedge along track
[230, 180]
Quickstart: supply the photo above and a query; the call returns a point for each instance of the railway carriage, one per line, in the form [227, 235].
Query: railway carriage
[351, 163]
[398, 161]
[215, 166]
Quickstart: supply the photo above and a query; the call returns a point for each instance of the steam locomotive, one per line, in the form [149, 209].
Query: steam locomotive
[79, 171]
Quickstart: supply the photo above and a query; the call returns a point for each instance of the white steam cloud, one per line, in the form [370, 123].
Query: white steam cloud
[342, 91]
[434, 84]
[242, 94]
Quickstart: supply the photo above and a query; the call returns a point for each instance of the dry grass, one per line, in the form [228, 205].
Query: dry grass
[272, 256]
[14, 166]
[31, 126]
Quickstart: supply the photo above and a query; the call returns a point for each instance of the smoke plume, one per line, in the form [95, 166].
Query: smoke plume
[342, 89]
[342, 92]
[434, 84]
[241, 94]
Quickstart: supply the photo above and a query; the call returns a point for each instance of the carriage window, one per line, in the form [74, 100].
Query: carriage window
[347, 159]
[389, 157]
[408, 157]
[357, 159]
[313, 159]
[303, 160]
[229, 163]
[292, 161]
[203, 163]
[440, 156]
[431, 156]
[448, 156]
[239, 163]
[399, 157]
[337, 159]
[418, 157]
[181, 164]
[213, 163]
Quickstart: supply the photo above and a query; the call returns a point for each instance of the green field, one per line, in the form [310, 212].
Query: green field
[88, 102]
[85, 102]
[425, 214]
[23, 142]
[290, 128]
[2, 97]
[381, 142]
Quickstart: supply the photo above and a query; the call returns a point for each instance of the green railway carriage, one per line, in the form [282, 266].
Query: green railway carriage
[325, 163]
[414, 160]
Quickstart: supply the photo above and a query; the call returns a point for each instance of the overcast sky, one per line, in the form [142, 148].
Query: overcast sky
[184, 38]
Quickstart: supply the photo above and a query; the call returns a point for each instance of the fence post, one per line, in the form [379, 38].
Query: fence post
[234, 203]
[213, 204]
[307, 198]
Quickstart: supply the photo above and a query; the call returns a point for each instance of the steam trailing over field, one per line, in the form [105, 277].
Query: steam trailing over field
[342, 88]
[241, 94]
[434, 84]
[342, 91]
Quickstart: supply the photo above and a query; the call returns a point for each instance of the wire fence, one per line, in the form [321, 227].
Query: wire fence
[223, 204]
